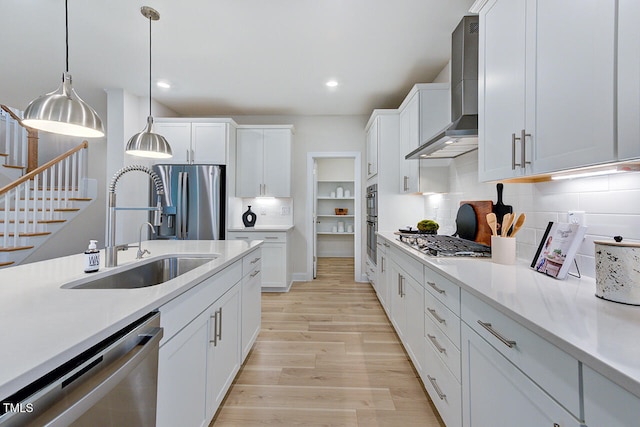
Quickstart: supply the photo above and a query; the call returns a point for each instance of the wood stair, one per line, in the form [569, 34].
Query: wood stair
[36, 234]
[40, 221]
[6, 264]
[15, 248]
[46, 210]
[15, 167]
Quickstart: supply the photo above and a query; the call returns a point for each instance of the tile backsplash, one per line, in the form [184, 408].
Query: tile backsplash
[611, 205]
[270, 211]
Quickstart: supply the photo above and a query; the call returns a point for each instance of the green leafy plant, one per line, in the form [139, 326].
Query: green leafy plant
[428, 226]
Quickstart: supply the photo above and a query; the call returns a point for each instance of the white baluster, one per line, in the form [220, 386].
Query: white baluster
[59, 185]
[7, 135]
[16, 222]
[43, 193]
[5, 237]
[74, 175]
[25, 215]
[66, 182]
[16, 144]
[34, 194]
[81, 172]
[51, 190]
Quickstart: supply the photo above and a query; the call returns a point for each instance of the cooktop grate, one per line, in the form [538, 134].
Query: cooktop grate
[439, 245]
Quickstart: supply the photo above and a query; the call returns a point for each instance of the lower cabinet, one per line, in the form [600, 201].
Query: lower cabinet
[606, 403]
[496, 393]
[276, 268]
[223, 352]
[208, 331]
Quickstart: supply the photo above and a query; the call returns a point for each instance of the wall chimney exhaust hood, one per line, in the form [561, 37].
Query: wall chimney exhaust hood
[461, 136]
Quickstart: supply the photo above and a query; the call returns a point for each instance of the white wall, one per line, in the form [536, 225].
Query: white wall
[611, 203]
[313, 134]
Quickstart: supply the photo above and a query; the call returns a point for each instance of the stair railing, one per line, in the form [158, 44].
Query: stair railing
[17, 138]
[35, 197]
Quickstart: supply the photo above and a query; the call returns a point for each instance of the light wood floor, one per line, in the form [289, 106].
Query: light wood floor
[327, 356]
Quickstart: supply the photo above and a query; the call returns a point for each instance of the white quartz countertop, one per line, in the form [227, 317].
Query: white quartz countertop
[601, 334]
[263, 228]
[44, 325]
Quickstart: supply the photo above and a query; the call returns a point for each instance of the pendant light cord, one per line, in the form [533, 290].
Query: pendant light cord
[149, 66]
[66, 30]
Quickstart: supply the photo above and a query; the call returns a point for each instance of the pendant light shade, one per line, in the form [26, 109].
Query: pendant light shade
[147, 143]
[63, 111]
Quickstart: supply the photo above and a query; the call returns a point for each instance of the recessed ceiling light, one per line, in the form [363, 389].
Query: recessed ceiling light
[332, 83]
[164, 85]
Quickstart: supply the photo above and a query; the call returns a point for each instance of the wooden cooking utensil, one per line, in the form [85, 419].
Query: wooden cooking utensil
[518, 224]
[493, 223]
[507, 220]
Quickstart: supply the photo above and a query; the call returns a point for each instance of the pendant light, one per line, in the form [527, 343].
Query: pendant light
[63, 111]
[147, 143]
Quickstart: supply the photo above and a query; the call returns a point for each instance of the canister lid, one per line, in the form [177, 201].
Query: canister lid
[621, 244]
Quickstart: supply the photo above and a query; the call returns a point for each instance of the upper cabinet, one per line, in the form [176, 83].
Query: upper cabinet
[195, 142]
[264, 161]
[628, 79]
[424, 112]
[372, 149]
[546, 86]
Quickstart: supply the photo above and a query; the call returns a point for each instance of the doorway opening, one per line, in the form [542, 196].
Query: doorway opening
[334, 200]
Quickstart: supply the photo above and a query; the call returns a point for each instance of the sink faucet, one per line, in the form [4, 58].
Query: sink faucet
[141, 252]
[111, 251]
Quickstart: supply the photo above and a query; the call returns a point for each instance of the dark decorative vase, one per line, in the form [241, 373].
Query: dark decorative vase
[249, 218]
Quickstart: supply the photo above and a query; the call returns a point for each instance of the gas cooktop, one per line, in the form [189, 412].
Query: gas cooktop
[439, 245]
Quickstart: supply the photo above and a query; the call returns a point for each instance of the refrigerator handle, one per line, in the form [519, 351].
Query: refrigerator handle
[185, 206]
[179, 210]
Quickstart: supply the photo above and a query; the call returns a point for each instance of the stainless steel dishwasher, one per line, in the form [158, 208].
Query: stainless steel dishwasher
[114, 383]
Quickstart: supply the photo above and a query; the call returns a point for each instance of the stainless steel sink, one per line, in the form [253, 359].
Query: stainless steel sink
[150, 273]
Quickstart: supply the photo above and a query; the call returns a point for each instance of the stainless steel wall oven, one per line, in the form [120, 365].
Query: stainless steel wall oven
[372, 221]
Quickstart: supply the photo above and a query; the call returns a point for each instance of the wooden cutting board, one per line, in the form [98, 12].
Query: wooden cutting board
[482, 208]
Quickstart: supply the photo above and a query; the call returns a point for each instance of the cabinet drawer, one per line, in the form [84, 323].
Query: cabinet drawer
[442, 346]
[444, 318]
[267, 236]
[551, 368]
[443, 388]
[412, 267]
[443, 289]
[178, 312]
[250, 262]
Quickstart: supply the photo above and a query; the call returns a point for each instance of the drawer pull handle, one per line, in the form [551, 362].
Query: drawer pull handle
[435, 287]
[255, 260]
[386, 245]
[255, 273]
[433, 382]
[271, 237]
[487, 326]
[435, 315]
[437, 344]
[242, 237]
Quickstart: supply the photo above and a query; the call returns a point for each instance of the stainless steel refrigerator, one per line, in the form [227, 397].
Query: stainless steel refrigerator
[193, 205]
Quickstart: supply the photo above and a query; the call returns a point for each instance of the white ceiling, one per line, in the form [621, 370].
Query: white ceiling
[231, 57]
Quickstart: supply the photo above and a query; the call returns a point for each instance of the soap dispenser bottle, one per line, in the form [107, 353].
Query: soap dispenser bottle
[92, 258]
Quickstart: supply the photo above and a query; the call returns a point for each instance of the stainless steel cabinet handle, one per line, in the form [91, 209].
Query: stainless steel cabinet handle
[241, 237]
[402, 294]
[437, 345]
[487, 326]
[433, 382]
[513, 151]
[436, 288]
[435, 315]
[523, 153]
[382, 264]
[386, 245]
[399, 281]
[369, 168]
[406, 183]
[255, 273]
[215, 329]
[271, 237]
[255, 260]
[220, 324]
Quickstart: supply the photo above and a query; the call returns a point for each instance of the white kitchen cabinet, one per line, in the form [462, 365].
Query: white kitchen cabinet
[251, 300]
[424, 112]
[496, 392]
[275, 264]
[372, 149]
[263, 161]
[382, 281]
[628, 79]
[193, 373]
[182, 367]
[195, 142]
[223, 353]
[606, 403]
[546, 86]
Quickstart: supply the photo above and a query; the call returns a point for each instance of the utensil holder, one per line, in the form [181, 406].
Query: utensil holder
[503, 250]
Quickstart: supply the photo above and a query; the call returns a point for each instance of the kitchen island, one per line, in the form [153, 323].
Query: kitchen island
[516, 333]
[44, 325]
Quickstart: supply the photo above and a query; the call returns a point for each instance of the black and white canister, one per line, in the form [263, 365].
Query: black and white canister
[618, 271]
